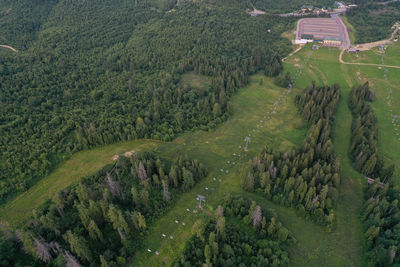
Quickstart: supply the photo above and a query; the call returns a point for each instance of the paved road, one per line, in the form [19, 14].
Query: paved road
[345, 35]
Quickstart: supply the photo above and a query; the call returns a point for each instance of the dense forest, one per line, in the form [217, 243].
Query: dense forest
[93, 73]
[103, 219]
[240, 233]
[373, 21]
[381, 211]
[306, 178]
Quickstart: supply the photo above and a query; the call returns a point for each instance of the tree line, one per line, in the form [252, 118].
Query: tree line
[239, 233]
[306, 178]
[102, 220]
[381, 210]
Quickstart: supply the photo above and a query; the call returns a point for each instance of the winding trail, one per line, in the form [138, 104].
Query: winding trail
[10, 47]
[364, 64]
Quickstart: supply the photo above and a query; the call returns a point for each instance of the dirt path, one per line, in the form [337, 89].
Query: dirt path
[10, 47]
[294, 52]
[368, 46]
[364, 64]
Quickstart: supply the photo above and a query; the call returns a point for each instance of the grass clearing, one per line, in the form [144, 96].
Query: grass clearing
[195, 80]
[387, 103]
[344, 246]
[390, 57]
[68, 173]
[215, 149]
[386, 107]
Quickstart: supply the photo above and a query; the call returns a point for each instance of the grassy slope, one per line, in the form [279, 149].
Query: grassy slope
[343, 247]
[215, 149]
[385, 106]
[391, 57]
[316, 247]
[70, 172]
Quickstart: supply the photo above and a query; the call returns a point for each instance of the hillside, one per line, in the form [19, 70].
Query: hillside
[189, 133]
[97, 74]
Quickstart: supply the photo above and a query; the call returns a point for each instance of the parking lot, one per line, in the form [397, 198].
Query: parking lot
[324, 28]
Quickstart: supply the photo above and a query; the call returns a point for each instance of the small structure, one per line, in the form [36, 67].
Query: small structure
[305, 38]
[382, 48]
[332, 41]
[353, 50]
[340, 4]
[247, 140]
[372, 181]
[201, 199]
[307, 8]
[314, 47]
[256, 12]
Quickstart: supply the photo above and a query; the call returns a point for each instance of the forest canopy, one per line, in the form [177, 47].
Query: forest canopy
[92, 74]
[373, 21]
[104, 218]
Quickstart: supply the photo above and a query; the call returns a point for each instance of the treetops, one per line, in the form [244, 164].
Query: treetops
[96, 74]
[381, 211]
[308, 177]
[240, 233]
[104, 217]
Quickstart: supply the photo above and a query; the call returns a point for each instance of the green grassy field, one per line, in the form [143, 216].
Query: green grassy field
[285, 129]
[195, 80]
[68, 173]
[386, 106]
[343, 246]
[390, 57]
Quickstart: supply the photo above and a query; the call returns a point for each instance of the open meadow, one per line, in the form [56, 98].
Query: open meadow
[389, 56]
